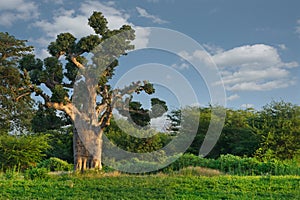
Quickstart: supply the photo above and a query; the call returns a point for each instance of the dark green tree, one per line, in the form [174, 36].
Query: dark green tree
[279, 127]
[238, 137]
[46, 119]
[88, 100]
[118, 131]
[15, 101]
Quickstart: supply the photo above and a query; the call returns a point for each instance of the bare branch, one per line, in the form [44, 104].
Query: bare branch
[22, 95]
[78, 64]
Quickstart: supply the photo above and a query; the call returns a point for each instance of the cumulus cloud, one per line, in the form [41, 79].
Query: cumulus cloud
[256, 67]
[15, 10]
[65, 21]
[233, 97]
[76, 22]
[143, 13]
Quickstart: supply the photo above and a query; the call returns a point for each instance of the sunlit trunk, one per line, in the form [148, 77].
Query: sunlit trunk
[87, 150]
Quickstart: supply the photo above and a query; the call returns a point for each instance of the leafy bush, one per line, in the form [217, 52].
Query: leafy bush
[55, 164]
[36, 173]
[22, 151]
[236, 165]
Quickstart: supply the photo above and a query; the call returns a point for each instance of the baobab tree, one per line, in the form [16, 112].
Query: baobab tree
[82, 90]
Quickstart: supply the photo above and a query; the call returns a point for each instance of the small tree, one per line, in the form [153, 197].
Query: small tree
[93, 96]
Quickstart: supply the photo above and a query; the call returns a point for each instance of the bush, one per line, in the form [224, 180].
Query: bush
[236, 165]
[36, 173]
[22, 151]
[55, 164]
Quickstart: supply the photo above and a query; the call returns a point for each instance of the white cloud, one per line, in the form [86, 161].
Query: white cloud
[282, 47]
[213, 49]
[256, 67]
[141, 37]
[198, 55]
[66, 22]
[246, 106]
[41, 53]
[233, 97]
[76, 22]
[16, 10]
[160, 123]
[181, 66]
[255, 56]
[143, 13]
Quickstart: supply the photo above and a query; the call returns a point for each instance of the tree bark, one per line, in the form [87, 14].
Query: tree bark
[87, 147]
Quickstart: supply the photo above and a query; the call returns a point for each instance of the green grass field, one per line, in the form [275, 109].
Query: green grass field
[153, 187]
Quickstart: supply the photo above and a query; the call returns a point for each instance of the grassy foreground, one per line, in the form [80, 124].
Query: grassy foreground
[153, 187]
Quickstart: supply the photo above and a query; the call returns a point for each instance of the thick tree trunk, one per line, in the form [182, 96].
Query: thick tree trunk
[87, 149]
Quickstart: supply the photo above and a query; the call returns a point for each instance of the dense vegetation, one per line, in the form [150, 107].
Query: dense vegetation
[116, 186]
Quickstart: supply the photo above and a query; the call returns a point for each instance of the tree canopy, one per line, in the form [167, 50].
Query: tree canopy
[15, 101]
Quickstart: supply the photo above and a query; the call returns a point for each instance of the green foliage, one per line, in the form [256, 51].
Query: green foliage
[236, 165]
[61, 142]
[147, 140]
[270, 133]
[15, 105]
[63, 44]
[55, 164]
[139, 115]
[12, 49]
[53, 70]
[46, 119]
[11, 174]
[36, 173]
[159, 107]
[153, 187]
[15, 102]
[99, 23]
[59, 94]
[22, 151]
[279, 127]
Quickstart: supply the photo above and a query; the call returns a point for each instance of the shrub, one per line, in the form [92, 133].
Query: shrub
[22, 151]
[36, 173]
[55, 164]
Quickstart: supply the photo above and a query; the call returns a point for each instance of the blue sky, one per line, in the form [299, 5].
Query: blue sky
[254, 44]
